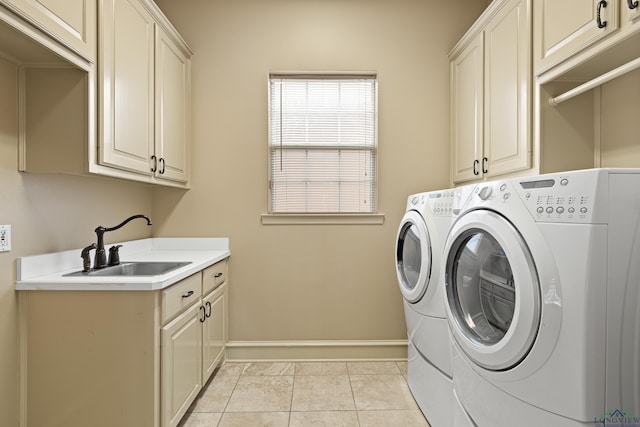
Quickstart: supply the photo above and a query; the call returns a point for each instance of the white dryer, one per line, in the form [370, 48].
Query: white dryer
[542, 291]
[419, 251]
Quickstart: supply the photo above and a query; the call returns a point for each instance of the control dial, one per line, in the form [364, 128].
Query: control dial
[485, 193]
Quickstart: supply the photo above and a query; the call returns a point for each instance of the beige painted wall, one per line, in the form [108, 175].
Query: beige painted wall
[603, 121]
[48, 213]
[620, 127]
[326, 282]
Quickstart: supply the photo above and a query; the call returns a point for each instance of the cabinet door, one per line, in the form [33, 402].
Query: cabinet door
[630, 13]
[564, 27]
[126, 85]
[72, 22]
[467, 79]
[507, 100]
[181, 360]
[213, 332]
[173, 105]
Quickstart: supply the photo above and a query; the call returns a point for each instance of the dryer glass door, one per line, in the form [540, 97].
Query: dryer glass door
[492, 289]
[413, 256]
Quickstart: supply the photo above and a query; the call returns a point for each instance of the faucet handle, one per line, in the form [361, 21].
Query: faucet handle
[86, 258]
[114, 256]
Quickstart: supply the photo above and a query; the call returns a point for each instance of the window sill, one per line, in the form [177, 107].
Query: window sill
[320, 219]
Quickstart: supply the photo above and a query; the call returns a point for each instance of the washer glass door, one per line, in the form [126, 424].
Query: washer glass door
[413, 256]
[483, 292]
[493, 293]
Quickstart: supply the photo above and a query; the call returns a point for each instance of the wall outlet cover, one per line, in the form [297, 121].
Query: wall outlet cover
[5, 238]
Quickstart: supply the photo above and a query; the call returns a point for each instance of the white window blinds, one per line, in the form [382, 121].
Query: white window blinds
[322, 144]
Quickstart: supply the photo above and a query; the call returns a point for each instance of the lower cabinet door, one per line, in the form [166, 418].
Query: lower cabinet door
[213, 332]
[181, 361]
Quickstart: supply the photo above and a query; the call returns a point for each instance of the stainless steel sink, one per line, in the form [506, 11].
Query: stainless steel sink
[143, 268]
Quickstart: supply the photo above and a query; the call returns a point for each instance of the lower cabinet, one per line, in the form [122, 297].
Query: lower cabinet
[181, 358]
[214, 331]
[193, 346]
[120, 358]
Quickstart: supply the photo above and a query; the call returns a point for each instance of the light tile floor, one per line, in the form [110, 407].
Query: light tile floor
[336, 394]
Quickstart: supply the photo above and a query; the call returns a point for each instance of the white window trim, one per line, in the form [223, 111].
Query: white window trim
[323, 219]
[368, 218]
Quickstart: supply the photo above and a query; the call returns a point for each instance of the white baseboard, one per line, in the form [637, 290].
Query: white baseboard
[326, 350]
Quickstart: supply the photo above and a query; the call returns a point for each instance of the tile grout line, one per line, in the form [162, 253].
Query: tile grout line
[293, 387]
[224, 410]
[296, 367]
[353, 396]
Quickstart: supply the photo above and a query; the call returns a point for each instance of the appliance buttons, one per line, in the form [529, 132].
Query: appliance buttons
[540, 209]
[564, 181]
[571, 209]
[583, 210]
[503, 187]
[485, 193]
[549, 209]
[560, 209]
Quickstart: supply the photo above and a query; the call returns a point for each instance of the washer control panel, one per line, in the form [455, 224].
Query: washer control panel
[439, 202]
[568, 197]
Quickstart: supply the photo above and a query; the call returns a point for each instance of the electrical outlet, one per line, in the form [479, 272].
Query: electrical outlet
[5, 238]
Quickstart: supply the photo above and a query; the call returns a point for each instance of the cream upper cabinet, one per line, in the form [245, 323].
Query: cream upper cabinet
[507, 100]
[586, 97]
[630, 12]
[126, 86]
[491, 94]
[172, 109]
[566, 27]
[467, 89]
[73, 23]
[137, 110]
[145, 88]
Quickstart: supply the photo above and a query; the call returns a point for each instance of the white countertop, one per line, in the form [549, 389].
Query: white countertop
[46, 272]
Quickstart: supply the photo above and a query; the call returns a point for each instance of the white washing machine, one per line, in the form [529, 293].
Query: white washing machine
[419, 251]
[542, 291]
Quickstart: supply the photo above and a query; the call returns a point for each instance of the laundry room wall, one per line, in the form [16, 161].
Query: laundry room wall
[47, 213]
[619, 124]
[307, 283]
[598, 128]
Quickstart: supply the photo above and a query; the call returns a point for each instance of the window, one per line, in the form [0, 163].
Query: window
[322, 144]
